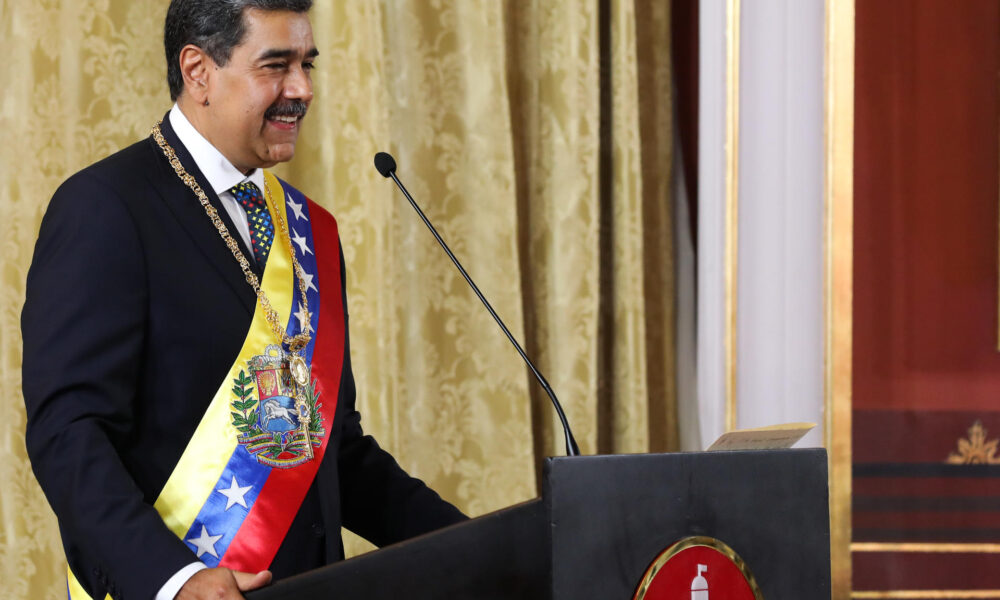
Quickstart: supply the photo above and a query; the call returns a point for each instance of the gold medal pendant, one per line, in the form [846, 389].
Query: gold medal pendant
[299, 369]
[300, 373]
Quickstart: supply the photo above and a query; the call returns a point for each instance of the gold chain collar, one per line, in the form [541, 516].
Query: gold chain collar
[294, 343]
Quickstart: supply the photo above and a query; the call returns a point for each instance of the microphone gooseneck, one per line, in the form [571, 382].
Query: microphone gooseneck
[386, 166]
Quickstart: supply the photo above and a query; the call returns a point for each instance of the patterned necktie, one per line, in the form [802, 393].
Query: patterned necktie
[258, 217]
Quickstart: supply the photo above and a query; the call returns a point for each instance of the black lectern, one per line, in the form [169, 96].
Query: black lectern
[601, 521]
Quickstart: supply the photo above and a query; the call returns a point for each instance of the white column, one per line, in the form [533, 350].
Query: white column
[779, 280]
[711, 218]
[779, 367]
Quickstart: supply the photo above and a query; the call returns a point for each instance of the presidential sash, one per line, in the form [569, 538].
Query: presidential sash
[243, 475]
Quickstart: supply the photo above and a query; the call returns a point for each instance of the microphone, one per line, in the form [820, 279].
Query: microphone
[386, 166]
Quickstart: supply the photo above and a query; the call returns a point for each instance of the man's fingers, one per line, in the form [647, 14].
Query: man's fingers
[251, 581]
[217, 584]
[221, 584]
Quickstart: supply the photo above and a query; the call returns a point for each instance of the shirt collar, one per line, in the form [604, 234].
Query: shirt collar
[220, 173]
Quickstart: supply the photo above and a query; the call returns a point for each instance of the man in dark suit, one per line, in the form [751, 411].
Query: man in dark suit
[140, 309]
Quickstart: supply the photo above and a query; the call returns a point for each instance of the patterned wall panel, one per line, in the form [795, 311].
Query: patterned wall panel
[926, 418]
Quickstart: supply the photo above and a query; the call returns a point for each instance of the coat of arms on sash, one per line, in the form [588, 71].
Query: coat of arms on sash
[278, 419]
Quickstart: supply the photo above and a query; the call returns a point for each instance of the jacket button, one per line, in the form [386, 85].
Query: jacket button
[318, 530]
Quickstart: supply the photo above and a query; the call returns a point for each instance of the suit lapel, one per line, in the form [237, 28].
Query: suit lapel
[189, 212]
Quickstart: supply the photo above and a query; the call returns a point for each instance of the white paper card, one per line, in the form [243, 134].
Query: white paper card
[762, 438]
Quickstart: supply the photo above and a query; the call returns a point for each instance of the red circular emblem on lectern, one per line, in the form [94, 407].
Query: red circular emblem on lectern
[698, 568]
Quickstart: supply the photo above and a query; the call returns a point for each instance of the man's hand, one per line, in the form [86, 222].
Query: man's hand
[221, 584]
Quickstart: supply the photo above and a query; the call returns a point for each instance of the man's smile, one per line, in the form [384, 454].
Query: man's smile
[286, 115]
[284, 123]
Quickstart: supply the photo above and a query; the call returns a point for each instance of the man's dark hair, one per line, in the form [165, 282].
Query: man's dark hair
[215, 26]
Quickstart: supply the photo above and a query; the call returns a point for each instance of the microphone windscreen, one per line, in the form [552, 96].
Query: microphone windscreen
[385, 163]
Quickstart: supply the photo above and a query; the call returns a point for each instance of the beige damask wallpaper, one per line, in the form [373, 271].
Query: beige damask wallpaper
[493, 112]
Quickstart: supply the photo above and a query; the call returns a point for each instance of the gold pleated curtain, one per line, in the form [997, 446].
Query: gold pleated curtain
[548, 175]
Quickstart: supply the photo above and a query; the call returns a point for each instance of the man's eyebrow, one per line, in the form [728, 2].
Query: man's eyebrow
[285, 53]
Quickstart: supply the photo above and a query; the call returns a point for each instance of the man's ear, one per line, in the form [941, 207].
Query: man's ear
[195, 69]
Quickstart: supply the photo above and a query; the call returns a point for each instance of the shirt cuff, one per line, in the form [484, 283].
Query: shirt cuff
[175, 583]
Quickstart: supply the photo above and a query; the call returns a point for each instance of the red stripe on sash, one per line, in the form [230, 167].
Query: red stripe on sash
[255, 544]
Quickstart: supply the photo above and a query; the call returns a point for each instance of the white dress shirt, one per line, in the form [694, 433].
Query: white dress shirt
[220, 173]
[222, 176]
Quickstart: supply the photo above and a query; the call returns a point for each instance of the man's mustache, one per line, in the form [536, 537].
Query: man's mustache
[291, 108]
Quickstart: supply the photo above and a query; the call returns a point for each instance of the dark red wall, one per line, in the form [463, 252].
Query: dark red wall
[926, 365]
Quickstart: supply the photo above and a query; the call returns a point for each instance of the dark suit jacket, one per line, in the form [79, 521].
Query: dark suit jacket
[135, 310]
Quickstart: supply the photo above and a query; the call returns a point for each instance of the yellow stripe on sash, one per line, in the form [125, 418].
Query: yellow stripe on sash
[206, 455]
